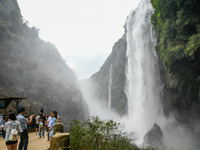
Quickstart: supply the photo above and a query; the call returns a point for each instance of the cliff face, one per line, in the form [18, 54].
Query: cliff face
[102, 78]
[32, 68]
[178, 33]
[177, 24]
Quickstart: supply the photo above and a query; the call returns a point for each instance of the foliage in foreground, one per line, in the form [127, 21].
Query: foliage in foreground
[97, 134]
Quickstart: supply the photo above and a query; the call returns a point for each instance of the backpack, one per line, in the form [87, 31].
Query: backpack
[41, 124]
[13, 134]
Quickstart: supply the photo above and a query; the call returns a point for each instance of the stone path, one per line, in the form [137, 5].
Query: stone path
[34, 143]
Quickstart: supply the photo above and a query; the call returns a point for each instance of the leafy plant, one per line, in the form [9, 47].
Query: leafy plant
[97, 134]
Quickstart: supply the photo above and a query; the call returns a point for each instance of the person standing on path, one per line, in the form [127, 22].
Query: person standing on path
[52, 123]
[37, 121]
[33, 123]
[23, 124]
[48, 125]
[5, 119]
[11, 124]
[42, 125]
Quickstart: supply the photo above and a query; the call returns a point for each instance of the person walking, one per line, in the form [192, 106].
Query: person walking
[37, 121]
[11, 125]
[42, 125]
[23, 124]
[52, 124]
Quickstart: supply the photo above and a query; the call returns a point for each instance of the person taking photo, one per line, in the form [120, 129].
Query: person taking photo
[23, 124]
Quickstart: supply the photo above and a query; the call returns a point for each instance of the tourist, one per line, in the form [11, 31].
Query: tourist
[46, 117]
[33, 121]
[5, 119]
[48, 124]
[52, 123]
[1, 124]
[41, 125]
[37, 121]
[41, 111]
[11, 141]
[23, 124]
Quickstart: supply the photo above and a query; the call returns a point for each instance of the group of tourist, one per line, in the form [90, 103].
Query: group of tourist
[45, 122]
[16, 127]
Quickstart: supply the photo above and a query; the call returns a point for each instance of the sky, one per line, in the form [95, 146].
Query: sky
[83, 31]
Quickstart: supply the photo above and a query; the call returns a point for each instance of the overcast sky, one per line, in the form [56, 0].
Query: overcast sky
[84, 31]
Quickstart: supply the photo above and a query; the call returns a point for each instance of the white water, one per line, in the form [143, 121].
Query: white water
[109, 87]
[143, 87]
[143, 80]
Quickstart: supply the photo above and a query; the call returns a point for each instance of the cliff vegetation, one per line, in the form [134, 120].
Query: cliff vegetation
[177, 23]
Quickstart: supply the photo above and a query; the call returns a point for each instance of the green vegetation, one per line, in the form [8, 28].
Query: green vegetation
[177, 23]
[97, 134]
[178, 28]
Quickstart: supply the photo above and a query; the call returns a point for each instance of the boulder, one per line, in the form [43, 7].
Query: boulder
[58, 128]
[154, 137]
[60, 141]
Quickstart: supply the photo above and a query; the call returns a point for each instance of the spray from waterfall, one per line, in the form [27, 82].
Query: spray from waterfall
[109, 87]
[143, 80]
[143, 86]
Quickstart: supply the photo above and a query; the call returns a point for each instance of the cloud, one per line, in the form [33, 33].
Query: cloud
[84, 31]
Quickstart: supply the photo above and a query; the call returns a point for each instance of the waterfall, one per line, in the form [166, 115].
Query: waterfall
[143, 87]
[143, 80]
[143, 83]
[109, 87]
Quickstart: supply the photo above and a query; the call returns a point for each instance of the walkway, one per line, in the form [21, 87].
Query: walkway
[34, 143]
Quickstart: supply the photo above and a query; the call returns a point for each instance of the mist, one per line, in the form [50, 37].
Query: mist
[128, 88]
[143, 88]
[81, 31]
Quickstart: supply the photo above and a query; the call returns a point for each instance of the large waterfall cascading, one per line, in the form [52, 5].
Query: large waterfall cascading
[143, 80]
[143, 86]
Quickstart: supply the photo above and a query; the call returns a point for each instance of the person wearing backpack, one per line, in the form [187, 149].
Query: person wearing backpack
[12, 129]
[41, 125]
[23, 124]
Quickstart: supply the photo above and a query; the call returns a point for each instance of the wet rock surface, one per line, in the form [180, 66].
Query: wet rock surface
[154, 137]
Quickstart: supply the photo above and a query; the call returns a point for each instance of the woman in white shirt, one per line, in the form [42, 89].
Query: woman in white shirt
[11, 124]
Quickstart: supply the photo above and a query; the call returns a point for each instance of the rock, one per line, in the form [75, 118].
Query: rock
[58, 128]
[60, 141]
[154, 137]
